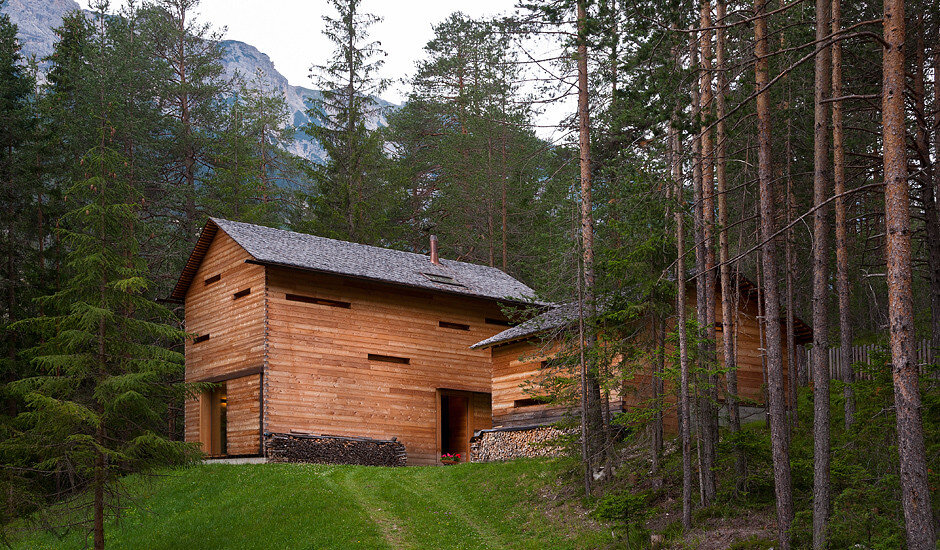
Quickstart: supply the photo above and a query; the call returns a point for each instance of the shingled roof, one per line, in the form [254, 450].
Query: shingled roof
[565, 315]
[555, 318]
[289, 249]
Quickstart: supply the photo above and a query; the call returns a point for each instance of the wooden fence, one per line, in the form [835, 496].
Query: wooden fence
[926, 353]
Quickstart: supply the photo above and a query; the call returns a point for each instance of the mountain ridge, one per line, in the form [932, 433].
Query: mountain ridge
[37, 19]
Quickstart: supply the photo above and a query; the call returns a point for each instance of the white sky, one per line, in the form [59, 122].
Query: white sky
[290, 31]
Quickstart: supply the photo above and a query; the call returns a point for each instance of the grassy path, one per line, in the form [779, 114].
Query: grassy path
[271, 506]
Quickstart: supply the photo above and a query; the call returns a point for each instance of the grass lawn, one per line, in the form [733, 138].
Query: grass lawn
[267, 506]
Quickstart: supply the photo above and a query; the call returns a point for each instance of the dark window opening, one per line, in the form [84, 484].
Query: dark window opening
[389, 359]
[213, 279]
[527, 402]
[455, 326]
[443, 279]
[202, 338]
[499, 322]
[241, 294]
[317, 301]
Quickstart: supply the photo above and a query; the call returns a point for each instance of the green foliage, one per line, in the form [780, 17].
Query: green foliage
[754, 543]
[354, 198]
[623, 506]
[253, 171]
[95, 408]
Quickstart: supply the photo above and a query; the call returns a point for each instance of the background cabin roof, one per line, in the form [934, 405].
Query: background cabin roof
[278, 247]
[555, 318]
[566, 314]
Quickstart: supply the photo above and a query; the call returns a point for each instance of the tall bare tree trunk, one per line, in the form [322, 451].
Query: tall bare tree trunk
[842, 251]
[777, 402]
[701, 311]
[793, 366]
[595, 418]
[685, 412]
[710, 390]
[821, 442]
[915, 492]
[727, 292]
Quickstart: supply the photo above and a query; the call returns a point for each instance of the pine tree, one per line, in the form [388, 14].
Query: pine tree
[192, 93]
[252, 167]
[353, 199]
[18, 188]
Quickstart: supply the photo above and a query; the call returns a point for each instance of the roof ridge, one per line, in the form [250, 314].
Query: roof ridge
[416, 254]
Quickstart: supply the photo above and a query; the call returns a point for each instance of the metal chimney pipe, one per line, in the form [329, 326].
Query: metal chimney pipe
[434, 258]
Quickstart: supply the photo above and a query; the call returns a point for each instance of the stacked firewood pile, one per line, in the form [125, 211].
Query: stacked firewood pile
[506, 444]
[329, 449]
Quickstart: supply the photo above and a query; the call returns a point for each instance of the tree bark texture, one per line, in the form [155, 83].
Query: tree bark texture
[685, 412]
[728, 301]
[777, 402]
[821, 439]
[593, 398]
[915, 492]
[842, 252]
[710, 390]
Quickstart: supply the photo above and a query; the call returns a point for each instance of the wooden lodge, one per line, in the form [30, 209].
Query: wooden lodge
[521, 353]
[307, 335]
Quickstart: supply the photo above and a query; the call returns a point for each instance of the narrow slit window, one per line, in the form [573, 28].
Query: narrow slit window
[455, 326]
[241, 294]
[317, 301]
[214, 279]
[498, 322]
[389, 359]
[528, 402]
[201, 338]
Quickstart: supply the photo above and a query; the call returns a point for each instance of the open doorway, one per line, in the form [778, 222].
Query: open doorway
[454, 423]
[213, 421]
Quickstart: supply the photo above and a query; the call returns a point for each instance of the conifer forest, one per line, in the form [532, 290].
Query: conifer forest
[622, 156]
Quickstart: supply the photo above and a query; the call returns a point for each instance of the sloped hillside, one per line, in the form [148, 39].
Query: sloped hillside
[270, 506]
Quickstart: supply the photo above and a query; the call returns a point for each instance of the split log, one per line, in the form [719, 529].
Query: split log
[331, 449]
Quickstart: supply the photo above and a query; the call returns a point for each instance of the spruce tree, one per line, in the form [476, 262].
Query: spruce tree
[352, 200]
[96, 408]
[253, 169]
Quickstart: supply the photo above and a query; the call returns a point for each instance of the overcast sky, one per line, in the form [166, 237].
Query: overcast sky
[290, 31]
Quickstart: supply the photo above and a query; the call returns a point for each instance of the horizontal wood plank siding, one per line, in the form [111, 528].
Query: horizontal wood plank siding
[320, 379]
[243, 415]
[516, 364]
[236, 326]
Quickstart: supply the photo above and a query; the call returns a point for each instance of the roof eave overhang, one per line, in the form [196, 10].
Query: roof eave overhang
[209, 231]
[516, 340]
